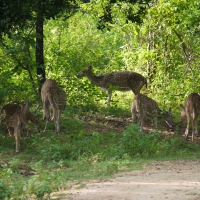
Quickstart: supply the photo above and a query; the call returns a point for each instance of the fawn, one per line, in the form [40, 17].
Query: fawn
[143, 106]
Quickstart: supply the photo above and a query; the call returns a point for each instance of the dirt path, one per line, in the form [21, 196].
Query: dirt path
[169, 180]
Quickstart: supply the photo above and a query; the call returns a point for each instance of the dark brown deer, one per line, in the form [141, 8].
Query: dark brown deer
[144, 107]
[20, 121]
[190, 113]
[121, 81]
[53, 97]
[9, 111]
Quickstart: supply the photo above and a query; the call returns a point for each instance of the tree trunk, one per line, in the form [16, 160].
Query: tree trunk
[39, 49]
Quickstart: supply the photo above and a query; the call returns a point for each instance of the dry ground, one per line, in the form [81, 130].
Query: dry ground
[169, 180]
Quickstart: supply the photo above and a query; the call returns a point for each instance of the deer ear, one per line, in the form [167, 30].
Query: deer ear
[25, 107]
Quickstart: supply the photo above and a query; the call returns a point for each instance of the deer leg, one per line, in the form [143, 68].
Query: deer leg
[57, 121]
[134, 116]
[156, 119]
[109, 97]
[46, 112]
[24, 126]
[17, 135]
[194, 128]
[9, 132]
[46, 115]
[17, 138]
[187, 128]
[6, 120]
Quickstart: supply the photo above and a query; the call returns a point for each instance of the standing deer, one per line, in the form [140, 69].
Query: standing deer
[121, 81]
[143, 106]
[9, 111]
[191, 110]
[20, 121]
[53, 98]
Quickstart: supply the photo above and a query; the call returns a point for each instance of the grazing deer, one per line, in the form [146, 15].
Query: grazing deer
[143, 106]
[53, 98]
[20, 121]
[191, 110]
[121, 81]
[9, 111]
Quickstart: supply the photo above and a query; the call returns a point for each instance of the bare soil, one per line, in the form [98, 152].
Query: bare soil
[170, 180]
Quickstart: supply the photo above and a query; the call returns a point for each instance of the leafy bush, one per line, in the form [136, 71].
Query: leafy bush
[43, 183]
[137, 144]
[5, 191]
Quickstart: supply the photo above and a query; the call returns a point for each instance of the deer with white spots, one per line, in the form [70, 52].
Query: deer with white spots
[10, 109]
[53, 97]
[190, 113]
[120, 81]
[144, 107]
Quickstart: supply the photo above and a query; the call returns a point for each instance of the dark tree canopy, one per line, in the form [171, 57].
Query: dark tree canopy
[18, 14]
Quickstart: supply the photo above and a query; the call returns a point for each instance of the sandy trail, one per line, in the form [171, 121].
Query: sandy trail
[170, 180]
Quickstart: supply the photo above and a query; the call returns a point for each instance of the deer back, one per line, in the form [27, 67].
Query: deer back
[123, 80]
[19, 118]
[57, 98]
[9, 110]
[45, 88]
[151, 109]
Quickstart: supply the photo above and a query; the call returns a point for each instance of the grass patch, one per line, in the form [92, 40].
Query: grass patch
[49, 162]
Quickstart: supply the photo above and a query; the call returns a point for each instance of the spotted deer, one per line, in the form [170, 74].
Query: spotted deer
[190, 113]
[120, 81]
[9, 111]
[53, 97]
[20, 121]
[144, 107]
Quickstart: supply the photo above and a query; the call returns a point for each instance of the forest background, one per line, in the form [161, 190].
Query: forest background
[57, 39]
[159, 39]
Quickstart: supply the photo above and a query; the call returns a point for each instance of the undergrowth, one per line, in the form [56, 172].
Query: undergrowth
[49, 162]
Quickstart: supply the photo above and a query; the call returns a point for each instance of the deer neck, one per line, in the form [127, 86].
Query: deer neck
[96, 80]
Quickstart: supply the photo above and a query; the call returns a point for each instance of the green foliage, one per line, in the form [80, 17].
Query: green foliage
[164, 49]
[5, 191]
[43, 183]
[137, 144]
